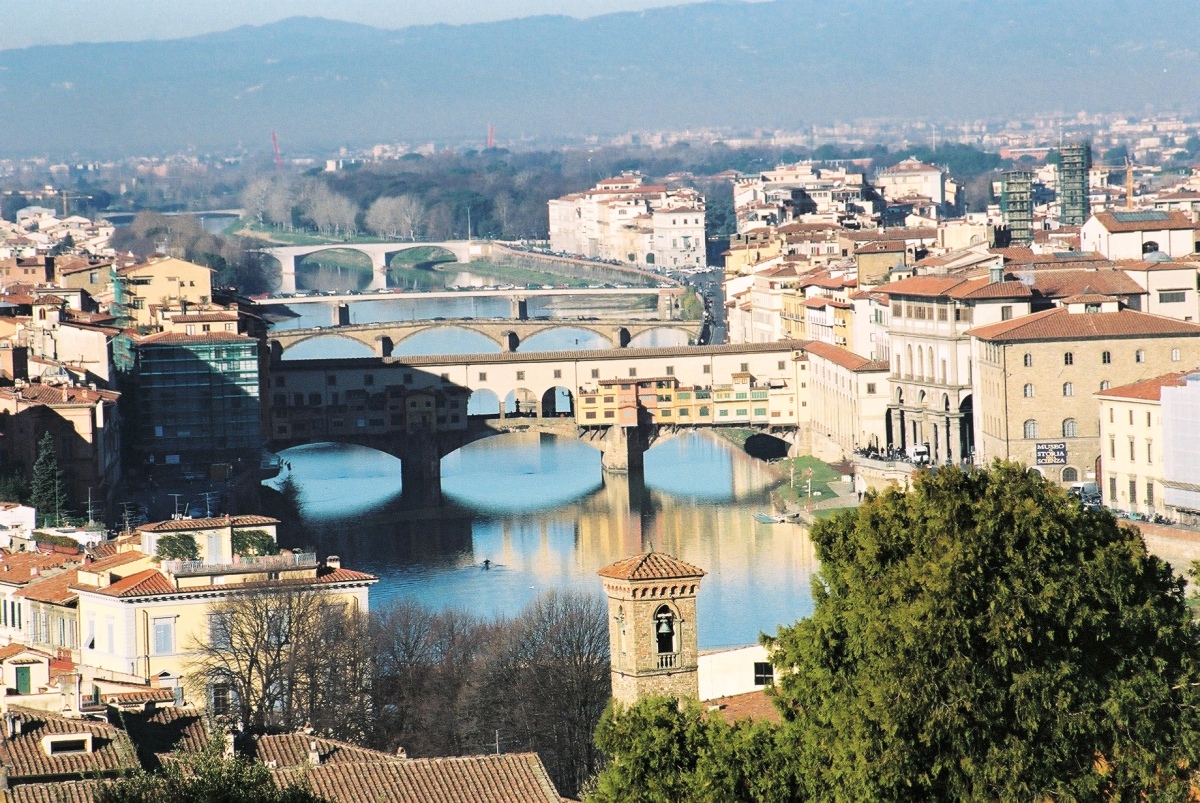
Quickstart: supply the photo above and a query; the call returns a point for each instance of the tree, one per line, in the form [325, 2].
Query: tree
[288, 657]
[256, 197]
[204, 777]
[985, 637]
[253, 542]
[177, 546]
[47, 494]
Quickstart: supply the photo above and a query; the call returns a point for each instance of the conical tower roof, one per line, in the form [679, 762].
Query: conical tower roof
[651, 566]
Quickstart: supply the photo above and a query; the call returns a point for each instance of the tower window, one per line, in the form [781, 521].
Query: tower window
[764, 673]
[665, 631]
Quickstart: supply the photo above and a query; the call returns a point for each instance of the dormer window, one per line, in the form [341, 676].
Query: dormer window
[1090, 307]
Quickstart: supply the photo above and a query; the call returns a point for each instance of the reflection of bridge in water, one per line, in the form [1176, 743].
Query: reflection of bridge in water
[416, 408]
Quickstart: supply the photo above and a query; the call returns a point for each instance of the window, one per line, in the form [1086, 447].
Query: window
[764, 673]
[558, 373]
[1132, 491]
[870, 388]
[1028, 360]
[1068, 389]
[1150, 452]
[368, 379]
[331, 380]
[1070, 429]
[1006, 312]
[1028, 390]
[1139, 355]
[745, 367]
[1070, 475]
[1174, 355]
[190, 328]
[706, 369]
[781, 365]
[1172, 296]
[1149, 493]
[220, 700]
[164, 635]
[1106, 357]
[1068, 358]
[483, 376]
[218, 631]
[1105, 385]
[664, 630]
[1132, 453]
[520, 376]
[595, 373]
[1031, 429]
[1147, 418]
[1112, 490]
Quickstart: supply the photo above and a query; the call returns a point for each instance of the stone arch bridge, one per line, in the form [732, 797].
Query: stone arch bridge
[379, 253]
[382, 338]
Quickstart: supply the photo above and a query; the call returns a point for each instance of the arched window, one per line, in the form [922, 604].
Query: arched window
[1068, 389]
[909, 357]
[665, 630]
[1070, 475]
[929, 365]
[1070, 428]
[1106, 357]
[1028, 360]
[1139, 355]
[1029, 390]
[920, 373]
[1149, 247]
[1105, 384]
[1068, 358]
[1030, 429]
[1174, 355]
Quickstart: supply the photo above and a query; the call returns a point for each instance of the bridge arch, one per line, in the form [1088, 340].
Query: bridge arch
[325, 346]
[558, 401]
[661, 337]
[409, 343]
[521, 403]
[484, 403]
[766, 446]
[604, 338]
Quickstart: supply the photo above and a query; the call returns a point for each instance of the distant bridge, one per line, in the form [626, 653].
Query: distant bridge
[427, 295]
[382, 338]
[379, 253]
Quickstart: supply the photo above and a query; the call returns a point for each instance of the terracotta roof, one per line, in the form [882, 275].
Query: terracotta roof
[10, 650]
[166, 730]
[909, 165]
[956, 287]
[204, 337]
[291, 750]
[504, 778]
[24, 757]
[55, 590]
[844, 357]
[753, 705]
[119, 559]
[552, 356]
[56, 395]
[1140, 220]
[650, 566]
[60, 792]
[868, 235]
[1088, 298]
[1142, 265]
[141, 584]
[147, 695]
[204, 317]
[17, 568]
[1147, 389]
[1107, 281]
[1061, 324]
[177, 525]
[883, 247]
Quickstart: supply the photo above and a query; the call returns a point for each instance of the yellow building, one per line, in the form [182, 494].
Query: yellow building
[1035, 378]
[140, 290]
[135, 616]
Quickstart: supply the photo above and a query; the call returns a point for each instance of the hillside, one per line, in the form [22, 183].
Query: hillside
[321, 83]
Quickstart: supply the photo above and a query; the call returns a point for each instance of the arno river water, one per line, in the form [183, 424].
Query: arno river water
[543, 513]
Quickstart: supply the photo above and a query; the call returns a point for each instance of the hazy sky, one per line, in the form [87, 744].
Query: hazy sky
[59, 21]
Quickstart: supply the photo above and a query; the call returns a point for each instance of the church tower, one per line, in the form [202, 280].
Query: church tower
[652, 626]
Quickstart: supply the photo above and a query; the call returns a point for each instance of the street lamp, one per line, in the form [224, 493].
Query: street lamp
[808, 472]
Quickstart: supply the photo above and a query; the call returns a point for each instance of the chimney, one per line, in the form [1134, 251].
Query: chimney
[333, 562]
[401, 752]
[12, 724]
[314, 756]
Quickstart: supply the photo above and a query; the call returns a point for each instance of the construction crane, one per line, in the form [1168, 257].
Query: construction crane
[68, 196]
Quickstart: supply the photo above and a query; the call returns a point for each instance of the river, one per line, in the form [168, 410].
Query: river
[540, 509]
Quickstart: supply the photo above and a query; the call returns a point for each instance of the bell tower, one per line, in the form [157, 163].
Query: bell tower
[652, 626]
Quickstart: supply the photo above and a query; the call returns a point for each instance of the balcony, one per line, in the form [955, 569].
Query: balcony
[249, 564]
[668, 660]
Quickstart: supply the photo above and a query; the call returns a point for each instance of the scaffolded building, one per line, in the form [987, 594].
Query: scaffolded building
[1016, 206]
[1075, 161]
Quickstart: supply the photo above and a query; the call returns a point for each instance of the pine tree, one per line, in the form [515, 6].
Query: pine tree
[47, 494]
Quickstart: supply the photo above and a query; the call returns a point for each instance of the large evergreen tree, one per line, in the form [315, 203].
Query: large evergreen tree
[47, 494]
[981, 637]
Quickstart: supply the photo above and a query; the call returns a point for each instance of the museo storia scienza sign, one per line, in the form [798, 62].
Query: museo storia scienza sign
[1052, 454]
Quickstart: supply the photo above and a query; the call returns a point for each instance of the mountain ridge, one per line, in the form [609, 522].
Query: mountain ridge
[324, 83]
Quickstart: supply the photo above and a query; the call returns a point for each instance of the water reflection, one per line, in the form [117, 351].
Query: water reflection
[544, 514]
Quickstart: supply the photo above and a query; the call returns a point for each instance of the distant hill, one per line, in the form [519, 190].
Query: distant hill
[321, 83]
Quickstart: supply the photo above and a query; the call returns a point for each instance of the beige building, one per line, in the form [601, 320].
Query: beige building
[626, 220]
[932, 389]
[1036, 376]
[849, 396]
[1131, 440]
[140, 290]
[1170, 287]
[1131, 234]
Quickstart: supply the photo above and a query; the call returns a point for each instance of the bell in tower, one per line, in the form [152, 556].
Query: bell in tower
[652, 626]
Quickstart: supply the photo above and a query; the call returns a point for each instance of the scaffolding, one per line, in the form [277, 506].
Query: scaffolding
[1016, 206]
[1075, 161]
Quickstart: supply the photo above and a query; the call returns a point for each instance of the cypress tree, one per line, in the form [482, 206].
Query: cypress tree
[47, 494]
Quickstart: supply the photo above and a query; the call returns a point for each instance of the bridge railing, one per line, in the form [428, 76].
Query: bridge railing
[245, 563]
